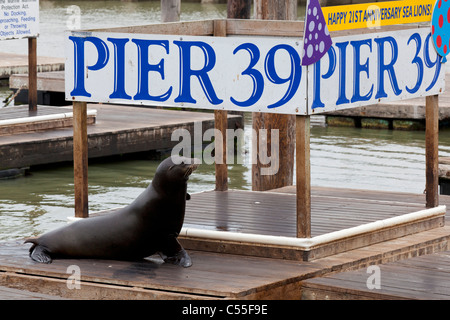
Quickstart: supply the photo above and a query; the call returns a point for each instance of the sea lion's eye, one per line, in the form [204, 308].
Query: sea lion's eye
[170, 168]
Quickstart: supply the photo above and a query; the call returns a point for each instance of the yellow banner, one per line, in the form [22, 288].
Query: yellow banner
[376, 14]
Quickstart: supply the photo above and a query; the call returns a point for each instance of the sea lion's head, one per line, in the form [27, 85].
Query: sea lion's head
[174, 171]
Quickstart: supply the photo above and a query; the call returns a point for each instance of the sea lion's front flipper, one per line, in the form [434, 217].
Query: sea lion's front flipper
[188, 196]
[39, 254]
[175, 254]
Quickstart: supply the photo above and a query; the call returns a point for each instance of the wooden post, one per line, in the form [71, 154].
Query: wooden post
[32, 74]
[80, 159]
[239, 9]
[275, 10]
[170, 10]
[431, 150]
[221, 123]
[303, 176]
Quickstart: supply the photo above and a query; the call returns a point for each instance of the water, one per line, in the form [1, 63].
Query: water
[340, 157]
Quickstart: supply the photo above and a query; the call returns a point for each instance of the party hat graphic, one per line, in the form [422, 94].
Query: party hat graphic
[316, 37]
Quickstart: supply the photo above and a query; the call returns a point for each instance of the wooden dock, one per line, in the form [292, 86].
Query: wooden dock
[16, 120]
[47, 81]
[50, 88]
[117, 130]
[402, 114]
[332, 210]
[216, 275]
[11, 63]
[418, 278]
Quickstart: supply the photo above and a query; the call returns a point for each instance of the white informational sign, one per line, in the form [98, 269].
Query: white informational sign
[258, 74]
[367, 69]
[19, 19]
[234, 73]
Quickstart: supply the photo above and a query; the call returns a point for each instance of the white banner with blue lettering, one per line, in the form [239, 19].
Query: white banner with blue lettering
[367, 69]
[257, 74]
[244, 74]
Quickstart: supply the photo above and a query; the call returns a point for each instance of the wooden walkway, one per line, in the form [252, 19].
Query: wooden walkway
[419, 278]
[402, 114]
[118, 130]
[50, 87]
[16, 294]
[11, 63]
[47, 81]
[18, 119]
[273, 213]
[52, 83]
[229, 276]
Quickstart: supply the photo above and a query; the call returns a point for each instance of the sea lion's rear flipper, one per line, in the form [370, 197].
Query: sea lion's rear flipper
[38, 253]
[181, 258]
[175, 254]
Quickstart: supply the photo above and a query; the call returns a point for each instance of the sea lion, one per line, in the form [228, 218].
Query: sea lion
[149, 225]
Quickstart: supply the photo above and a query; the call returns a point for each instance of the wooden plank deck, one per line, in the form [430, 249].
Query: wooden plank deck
[410, 109]
[16, 294]
[52, 81]
[50, 88]
[118, 130]
[17, 112]
[18, 119]
[228, 276]
[212, 276]
[425, 277]
[274, 214]
[12, 63]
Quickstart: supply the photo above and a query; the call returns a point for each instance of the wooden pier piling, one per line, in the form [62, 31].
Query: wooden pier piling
[80, 159]
[432, 151]
[32, 73]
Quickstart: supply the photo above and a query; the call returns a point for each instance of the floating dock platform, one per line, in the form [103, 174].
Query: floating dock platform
[117, 130]
[219, 275]
[400, 115]
[12, 63]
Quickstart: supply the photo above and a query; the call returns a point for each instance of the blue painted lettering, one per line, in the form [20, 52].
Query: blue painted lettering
[358, 68]
[79, 63]
[186, 72]
[119, 69]
[317, 102]
[257, 78]
[389, 68]
[293, 78]
[144, 69]
[418, 62]
[342, 66]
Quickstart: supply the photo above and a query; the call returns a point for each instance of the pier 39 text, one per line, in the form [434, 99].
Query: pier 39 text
[262, 74]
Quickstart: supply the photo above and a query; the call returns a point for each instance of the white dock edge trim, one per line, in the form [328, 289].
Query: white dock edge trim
[43, 118]
[308, 243]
